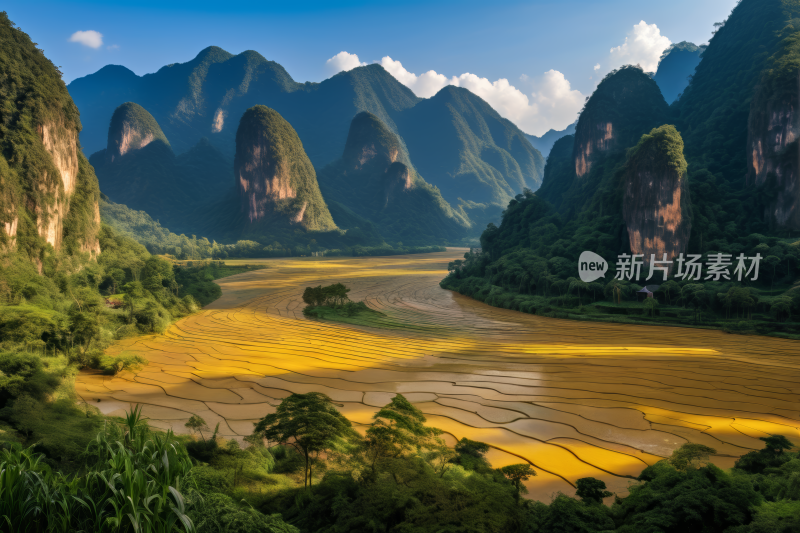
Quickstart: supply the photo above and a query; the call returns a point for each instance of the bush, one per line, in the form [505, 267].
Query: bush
[218, 513]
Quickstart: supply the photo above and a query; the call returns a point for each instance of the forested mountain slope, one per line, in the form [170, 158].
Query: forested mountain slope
[48, 191]
[717, 172]
[139, 169]
[375, 179]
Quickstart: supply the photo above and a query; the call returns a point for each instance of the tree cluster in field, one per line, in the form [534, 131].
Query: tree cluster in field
[333, 297]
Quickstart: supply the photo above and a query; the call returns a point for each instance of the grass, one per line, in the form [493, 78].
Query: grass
[373, 319]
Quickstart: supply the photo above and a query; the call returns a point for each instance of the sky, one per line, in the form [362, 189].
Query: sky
[535, 62]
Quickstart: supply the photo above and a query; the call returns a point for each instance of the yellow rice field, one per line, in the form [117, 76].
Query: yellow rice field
[574, 399]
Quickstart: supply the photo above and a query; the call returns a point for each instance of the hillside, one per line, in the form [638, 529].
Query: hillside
[48, 191]
[717, 172]
[676, 65]
[474, 149]
[139, 169]
[276, 182]
[468, 150]
[715, 117]
[375, 179]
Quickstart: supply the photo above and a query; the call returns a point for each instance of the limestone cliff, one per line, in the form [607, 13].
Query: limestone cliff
[656, 206]
[375, 179]
[48, 193]
[625, 105]
[772, 151]
[132, 128]
[275, 180]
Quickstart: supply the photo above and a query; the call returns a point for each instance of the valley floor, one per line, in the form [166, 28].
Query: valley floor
[575, 399]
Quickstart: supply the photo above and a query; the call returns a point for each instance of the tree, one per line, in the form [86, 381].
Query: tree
[690, 455]
[196, 423]
[772, 261]
[669, 287]
[399, 431]
[84, 327]
[133, 291]
[471, 454]
[117, 276]
[650, 305]
[692, 294]
[308, 422]
[777, 444]
[780, 307]
[517, 474]
[591, 490]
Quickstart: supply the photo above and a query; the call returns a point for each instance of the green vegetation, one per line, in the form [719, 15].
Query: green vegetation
[529, 262]
[133, 121]
[458, 135]
[55, 323]
[33, 98]
[158, 240]
[283, 163]
[375, 180]
[305, 469]
[454, 133]
[148, 176]
[332, 302]
[661, 148]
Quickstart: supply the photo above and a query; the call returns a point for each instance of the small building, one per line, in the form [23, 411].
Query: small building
[643, 294]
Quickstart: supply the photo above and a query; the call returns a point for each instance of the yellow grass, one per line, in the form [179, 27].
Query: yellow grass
[575, 399]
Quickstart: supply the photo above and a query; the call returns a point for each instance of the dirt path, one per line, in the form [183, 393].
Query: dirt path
[575, 399]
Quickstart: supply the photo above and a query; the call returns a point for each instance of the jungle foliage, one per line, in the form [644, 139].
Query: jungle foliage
[530, 261]
[305, 469]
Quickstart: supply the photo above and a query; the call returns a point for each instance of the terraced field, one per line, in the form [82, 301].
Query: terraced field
[574, 399]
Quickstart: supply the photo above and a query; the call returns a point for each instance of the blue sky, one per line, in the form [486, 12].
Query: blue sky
[550, 52]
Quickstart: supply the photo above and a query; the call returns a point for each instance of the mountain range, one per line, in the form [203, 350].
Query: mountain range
[457, 141]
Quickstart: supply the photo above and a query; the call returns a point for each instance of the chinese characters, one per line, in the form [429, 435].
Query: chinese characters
[690, 267]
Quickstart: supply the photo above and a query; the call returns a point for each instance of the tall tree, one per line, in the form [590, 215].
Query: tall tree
[308, 422]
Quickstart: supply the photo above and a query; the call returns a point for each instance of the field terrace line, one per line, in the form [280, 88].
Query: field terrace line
[575, 399]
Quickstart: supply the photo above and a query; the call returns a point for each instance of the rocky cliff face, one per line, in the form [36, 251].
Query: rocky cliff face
[274, 177]
[625, 105]
[49, 193]
[656, 206]
[772, 153]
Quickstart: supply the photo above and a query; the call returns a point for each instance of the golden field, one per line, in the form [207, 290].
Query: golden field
[574, 399]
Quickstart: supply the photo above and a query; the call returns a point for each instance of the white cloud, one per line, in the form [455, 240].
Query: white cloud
[643, 46]
[553, 105]
[90, 38]
[112, 47]
[597, 66]
[342, 62]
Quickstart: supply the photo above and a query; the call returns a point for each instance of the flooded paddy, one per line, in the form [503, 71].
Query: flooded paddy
[574, 399]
